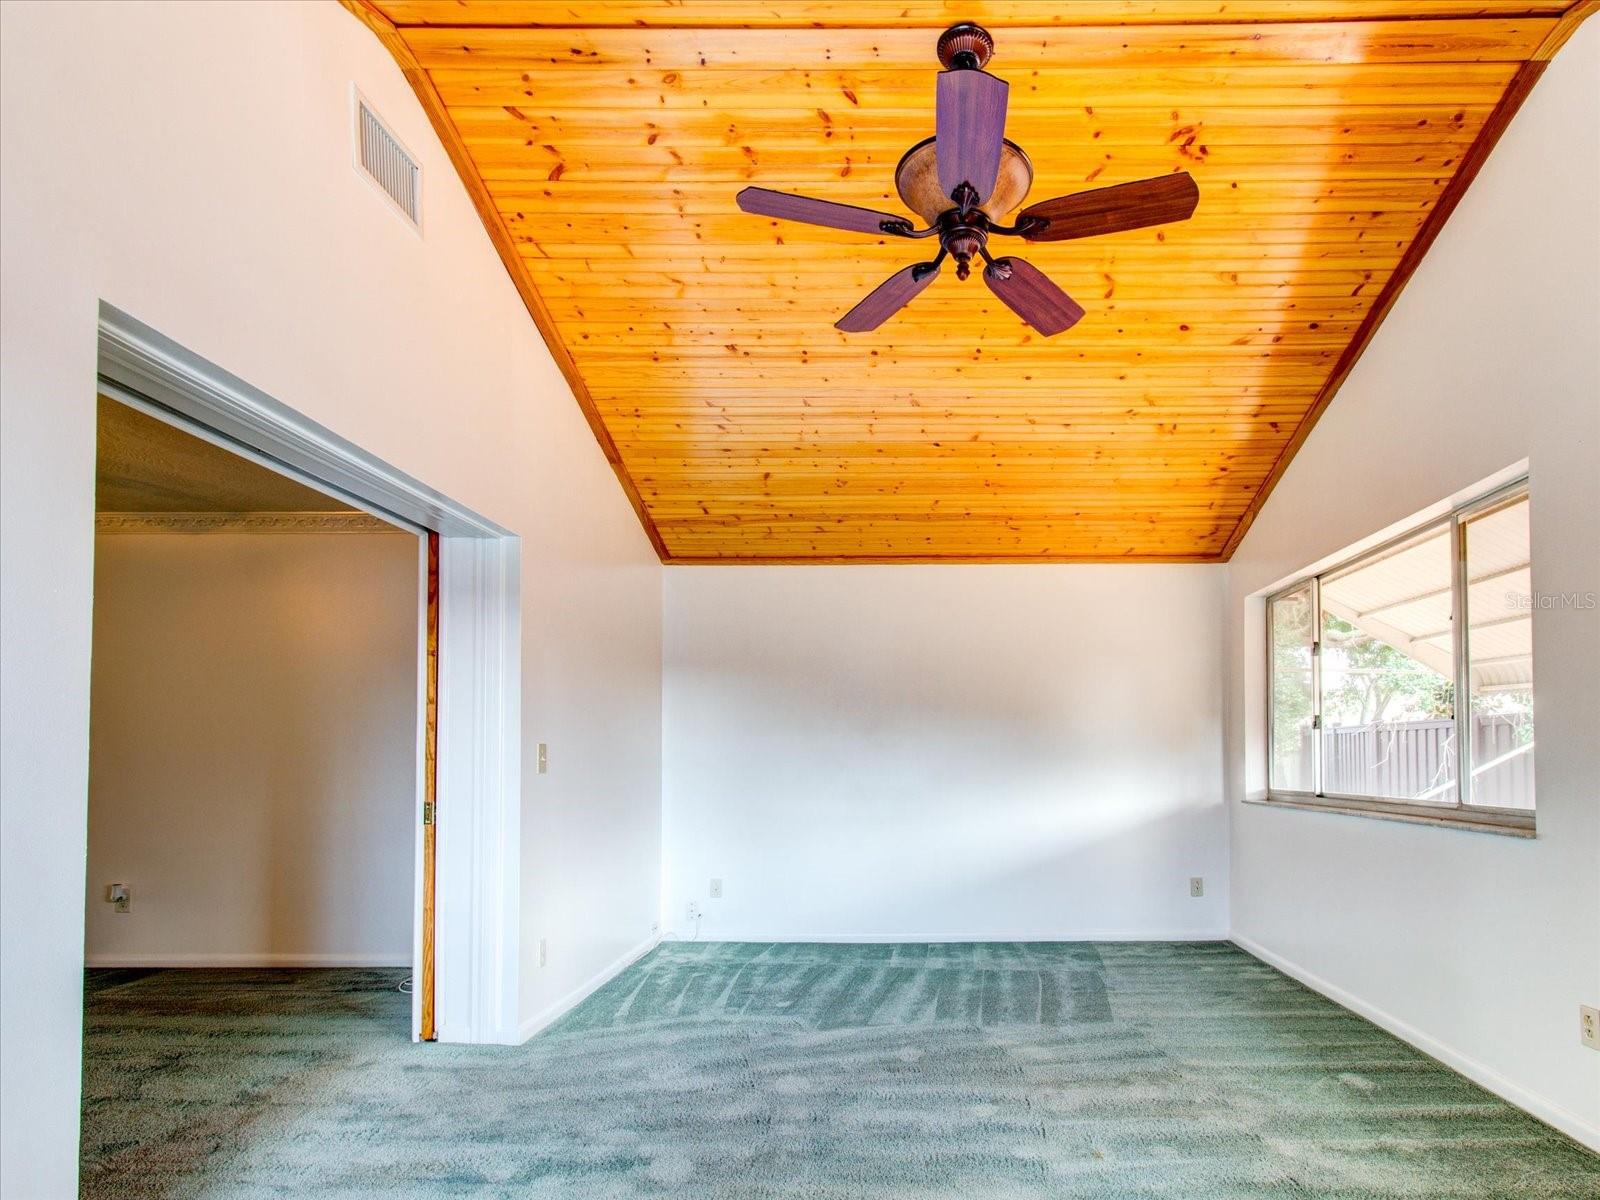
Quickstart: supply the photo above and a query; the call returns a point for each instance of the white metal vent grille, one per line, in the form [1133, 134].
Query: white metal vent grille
[386, 161]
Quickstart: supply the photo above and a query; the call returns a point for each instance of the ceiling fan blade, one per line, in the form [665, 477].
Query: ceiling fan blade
[1113, 209]
[766, 203]
[888, 298]
[970, 115]
[1028, 292]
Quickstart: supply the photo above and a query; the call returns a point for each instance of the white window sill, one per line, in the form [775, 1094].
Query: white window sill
[1508, 824]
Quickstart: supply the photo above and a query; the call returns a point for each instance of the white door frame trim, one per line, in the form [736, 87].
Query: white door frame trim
[477, 891]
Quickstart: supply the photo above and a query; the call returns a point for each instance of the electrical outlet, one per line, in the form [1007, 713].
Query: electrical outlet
[694, 910]
[118, 897]
[716, 889]
[1590, 1026]
[543, 758]
[1197, 886]
[544, 952]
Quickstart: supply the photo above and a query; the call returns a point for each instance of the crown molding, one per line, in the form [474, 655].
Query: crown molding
[240, 522]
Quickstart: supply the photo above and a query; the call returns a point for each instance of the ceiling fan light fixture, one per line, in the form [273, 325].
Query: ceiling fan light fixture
[962, 182]
[916, 178]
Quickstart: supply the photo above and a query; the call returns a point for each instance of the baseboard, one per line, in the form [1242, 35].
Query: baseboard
[551, 1013]
[1485, 1077]
[1188, 935]
[247, 960]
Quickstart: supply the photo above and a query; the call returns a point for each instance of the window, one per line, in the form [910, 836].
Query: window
[1401, 682]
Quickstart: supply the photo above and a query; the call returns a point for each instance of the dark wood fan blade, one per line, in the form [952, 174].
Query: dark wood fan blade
[971, 126]
[766, 203]
[888, 298]
[1113, 209]
[1028, 292]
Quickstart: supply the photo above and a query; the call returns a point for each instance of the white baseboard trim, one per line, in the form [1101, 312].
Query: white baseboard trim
[1485, 1077]
[1189, 935]
[551, 1013]
[247, 960]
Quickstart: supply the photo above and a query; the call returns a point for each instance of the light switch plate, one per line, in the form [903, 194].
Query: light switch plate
[716, 889]
[1197, 886]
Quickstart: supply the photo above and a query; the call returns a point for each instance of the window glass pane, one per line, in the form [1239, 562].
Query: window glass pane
[1500, 656]
[1289, 625]
[1388, 671]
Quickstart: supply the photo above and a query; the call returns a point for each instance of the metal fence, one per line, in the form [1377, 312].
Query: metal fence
[1409, 760]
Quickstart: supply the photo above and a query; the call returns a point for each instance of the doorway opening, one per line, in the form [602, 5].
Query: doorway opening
[258, 671]
[457, 886]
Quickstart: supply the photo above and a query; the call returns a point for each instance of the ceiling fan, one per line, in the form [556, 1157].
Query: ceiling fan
[962, 182]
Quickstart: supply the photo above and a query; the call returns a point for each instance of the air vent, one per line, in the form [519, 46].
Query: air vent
[387, 163]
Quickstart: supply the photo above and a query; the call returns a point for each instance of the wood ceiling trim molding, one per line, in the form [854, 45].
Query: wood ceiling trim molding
[699, 440]
[1566, 25]
[1232, 46]
[444, 127]
[937, 14]
[910, 560]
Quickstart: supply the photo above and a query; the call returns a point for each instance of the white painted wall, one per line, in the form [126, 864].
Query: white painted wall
[1479, 947]
[253, 754]
[191, 164]
[944, 752]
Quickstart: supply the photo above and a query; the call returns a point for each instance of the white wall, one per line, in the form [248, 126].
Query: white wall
[253, 754]
[191, 164]
[1480, 947]
[944, 752]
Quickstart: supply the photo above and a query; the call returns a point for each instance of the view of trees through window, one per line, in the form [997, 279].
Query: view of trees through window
[1376, 682]
[1364, 668]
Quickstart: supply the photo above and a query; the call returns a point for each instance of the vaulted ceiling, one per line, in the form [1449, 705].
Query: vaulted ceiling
[604, 144]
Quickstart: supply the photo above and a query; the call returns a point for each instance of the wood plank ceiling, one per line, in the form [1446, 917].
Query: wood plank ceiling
[604, 143]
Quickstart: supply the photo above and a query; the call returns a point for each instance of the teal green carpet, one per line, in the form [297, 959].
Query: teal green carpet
[731, 1071]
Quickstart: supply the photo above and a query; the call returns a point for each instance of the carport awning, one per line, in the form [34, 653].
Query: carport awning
[1403, 598]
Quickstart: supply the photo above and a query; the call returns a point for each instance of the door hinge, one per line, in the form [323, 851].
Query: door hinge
[427, 812]
[1316, 721]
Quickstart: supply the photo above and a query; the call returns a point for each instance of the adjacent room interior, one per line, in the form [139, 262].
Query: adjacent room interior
[879, 599]
[253, 771]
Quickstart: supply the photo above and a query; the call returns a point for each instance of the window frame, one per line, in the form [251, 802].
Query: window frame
[1455, 812]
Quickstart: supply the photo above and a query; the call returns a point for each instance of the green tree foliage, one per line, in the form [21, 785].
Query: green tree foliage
[1376, 681]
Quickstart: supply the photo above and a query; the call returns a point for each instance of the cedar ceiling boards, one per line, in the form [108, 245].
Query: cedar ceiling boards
[604, 144]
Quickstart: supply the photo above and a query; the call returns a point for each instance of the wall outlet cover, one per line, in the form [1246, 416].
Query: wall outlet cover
[1197, 886]
[716, 889]
[1589, 1026]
